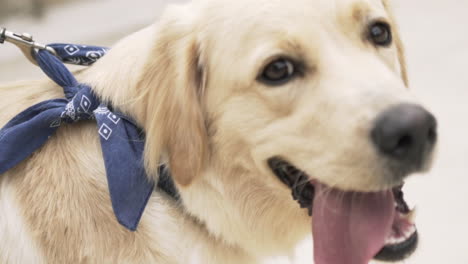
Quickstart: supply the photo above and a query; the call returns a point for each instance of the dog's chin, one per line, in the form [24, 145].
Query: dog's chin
[403, 238]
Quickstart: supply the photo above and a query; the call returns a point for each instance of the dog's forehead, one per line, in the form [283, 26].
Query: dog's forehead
[261, 20]
[264, 12]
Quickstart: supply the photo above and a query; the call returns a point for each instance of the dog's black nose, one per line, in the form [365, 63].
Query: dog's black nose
[406, 133]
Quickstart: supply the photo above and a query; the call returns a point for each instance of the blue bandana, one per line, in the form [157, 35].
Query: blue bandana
[122, 141]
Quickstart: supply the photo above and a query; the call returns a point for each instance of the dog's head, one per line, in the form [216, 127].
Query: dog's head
[250, 100]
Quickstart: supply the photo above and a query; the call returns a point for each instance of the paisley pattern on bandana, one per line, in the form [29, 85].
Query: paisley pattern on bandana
[79, 54]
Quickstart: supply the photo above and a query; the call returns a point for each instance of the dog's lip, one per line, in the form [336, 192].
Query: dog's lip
[400, 244]
[300, 183]
[399, 251]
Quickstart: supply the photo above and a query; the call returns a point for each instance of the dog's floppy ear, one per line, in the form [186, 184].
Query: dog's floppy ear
[172, 83]
[398, 43]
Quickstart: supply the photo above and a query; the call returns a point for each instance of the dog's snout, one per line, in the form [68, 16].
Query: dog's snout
[406, 133]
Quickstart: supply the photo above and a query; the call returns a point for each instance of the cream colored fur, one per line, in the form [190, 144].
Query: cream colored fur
[17, 244]
[190, 82]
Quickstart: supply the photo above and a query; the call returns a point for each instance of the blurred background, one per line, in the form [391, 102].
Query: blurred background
[436, 40]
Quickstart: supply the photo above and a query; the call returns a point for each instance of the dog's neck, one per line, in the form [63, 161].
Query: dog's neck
[258, 227]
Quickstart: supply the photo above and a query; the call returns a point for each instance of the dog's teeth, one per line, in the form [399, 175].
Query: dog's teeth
[411, 215]
[410, 232]
[401, 239]
[390, 241]
[397, 240]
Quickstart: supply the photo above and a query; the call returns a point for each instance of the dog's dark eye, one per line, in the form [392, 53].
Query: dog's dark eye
[278, 72]
[380, 34]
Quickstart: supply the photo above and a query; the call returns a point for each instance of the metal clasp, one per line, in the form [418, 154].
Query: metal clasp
[25, 42]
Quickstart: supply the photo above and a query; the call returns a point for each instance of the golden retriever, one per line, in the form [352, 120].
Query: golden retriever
[246, 101]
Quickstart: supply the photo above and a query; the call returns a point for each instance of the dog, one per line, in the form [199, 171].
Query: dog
[246, 102]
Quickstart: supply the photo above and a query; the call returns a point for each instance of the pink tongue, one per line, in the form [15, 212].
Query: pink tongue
[350, 228]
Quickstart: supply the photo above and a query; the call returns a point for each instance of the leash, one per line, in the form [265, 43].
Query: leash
[25, 42]
[67, 53]
[122, 142]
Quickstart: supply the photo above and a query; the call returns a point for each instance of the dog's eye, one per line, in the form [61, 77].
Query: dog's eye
[278, 72]
[380, 34]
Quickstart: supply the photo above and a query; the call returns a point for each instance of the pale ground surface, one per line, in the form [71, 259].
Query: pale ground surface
[437, 46]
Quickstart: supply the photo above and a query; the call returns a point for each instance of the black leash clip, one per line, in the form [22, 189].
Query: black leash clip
[25, 42]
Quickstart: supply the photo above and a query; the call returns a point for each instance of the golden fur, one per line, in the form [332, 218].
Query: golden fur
[190, 82]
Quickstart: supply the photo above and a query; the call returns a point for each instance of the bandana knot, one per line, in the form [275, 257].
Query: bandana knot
[80, 107]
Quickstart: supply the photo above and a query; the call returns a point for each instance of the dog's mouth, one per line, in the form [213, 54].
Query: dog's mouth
[351, 227]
